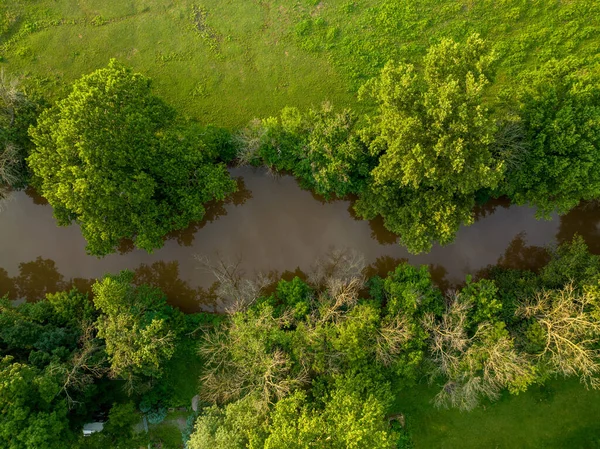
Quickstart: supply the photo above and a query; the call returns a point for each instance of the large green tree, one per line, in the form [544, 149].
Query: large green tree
[560, 163]
[111, 157]
[434, 136]
[33, 415]
[139, 328]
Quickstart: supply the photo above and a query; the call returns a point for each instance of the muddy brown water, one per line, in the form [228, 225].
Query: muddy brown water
[271, 225]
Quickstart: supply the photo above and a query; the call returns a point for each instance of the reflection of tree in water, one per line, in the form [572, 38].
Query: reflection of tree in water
[585, 221]
[40, 277]
[7, 285]
[438, 276]
[214, 210]
[489, 207]
[383, 265]
[35, 196]
[165, 275]
[37, 278]
[378, 229]
[520, 256]
[380, 233]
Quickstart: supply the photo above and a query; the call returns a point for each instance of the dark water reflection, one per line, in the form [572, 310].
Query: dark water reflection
[272, 226]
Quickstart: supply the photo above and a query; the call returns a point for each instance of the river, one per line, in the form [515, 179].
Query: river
[271, 225]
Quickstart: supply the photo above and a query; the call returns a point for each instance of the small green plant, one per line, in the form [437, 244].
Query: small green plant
[98, 21]
[7, 20]
[200, 90]
[157, 415]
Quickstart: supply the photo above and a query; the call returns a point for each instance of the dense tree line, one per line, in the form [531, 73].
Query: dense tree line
[443, 138]
[67, 359]
[117, 160]
[317, 362]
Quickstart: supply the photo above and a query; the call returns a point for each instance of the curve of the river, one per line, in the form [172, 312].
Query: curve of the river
[271, 225]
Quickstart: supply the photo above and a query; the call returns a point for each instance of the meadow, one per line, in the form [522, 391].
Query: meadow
[226, 62]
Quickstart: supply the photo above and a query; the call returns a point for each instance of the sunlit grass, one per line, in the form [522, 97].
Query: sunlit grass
[249, 68]
[250, 58]
[562, 414]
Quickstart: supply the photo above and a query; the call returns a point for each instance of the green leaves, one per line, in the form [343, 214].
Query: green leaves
[352, 416]
[31, 416]
[560, 109]
[322, 148]
[137, 325]
[111, 158]
[434, 137]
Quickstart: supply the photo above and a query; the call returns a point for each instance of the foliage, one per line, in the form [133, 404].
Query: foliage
[435, 135]
[56, 336]
[157, 416]
[322, 148]
[571, 262]
[118, 430]
[111, 158]
[17, 112]
[139, 329]
[351, 415]
[238, 425]
[409, 294]
[334, 160]
[32, 415]
[560, 113]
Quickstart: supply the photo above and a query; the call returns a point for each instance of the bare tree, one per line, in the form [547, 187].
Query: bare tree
[249, 140]
[339, 296]
[239, 361]
[10, 96]
[510, 144]
[570, 323]
[392, 335]
[448, 337]
[337, 264]
[9, 164]
[234, 289]
[478, 366]
[85, 366]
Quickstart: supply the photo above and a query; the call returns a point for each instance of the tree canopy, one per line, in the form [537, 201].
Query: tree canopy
[434, 136]
[139, 328]
[111, 157]
[560, 114]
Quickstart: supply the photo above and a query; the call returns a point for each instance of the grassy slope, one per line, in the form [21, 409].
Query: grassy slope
[252, 57]
[243, 66]
[563, 414]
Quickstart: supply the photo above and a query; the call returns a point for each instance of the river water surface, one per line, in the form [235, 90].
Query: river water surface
[271, 225]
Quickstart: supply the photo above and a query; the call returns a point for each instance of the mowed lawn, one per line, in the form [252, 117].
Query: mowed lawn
[562, 415]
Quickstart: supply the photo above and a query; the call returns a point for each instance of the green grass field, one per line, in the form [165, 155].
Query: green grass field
[562, 414]
[228, 61]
